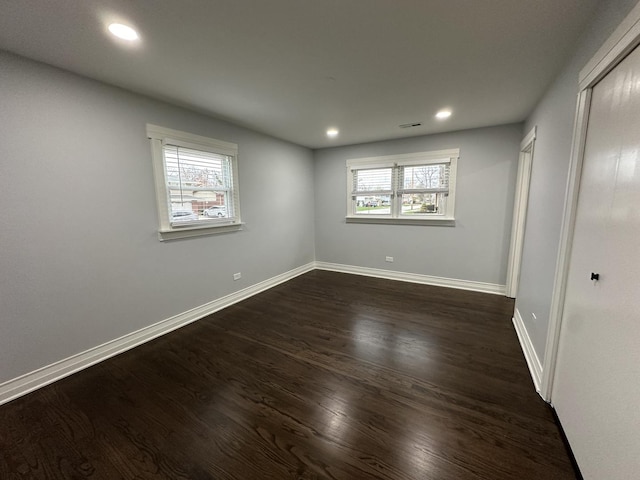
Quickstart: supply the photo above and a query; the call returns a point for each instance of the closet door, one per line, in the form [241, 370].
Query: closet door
[597, 385]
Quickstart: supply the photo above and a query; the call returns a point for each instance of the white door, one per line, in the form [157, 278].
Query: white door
[520, 206]
[597, 385]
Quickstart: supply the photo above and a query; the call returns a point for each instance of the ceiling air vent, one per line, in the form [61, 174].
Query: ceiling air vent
[410, 125]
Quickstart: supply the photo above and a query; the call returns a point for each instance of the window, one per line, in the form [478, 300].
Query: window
[196, 183]
[415, 188]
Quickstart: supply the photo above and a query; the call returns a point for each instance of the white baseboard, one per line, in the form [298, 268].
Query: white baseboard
[31, 381]
[533, 362]
[414, 278]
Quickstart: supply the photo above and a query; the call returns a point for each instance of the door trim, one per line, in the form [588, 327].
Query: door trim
[520, 206]
[623, 40]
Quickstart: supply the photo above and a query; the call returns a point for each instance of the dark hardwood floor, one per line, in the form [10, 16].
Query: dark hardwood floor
[328, 376]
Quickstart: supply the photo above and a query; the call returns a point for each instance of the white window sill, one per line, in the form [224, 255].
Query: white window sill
[187, 232]
[439, 221]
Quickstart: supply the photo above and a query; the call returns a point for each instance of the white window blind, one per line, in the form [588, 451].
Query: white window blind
[373, 181]
[197, 177]
[424, 178]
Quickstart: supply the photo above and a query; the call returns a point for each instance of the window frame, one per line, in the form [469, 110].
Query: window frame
[161, 136]
[449, 156]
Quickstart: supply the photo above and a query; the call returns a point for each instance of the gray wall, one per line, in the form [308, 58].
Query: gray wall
[475, 249]
[554, 116]
[80, 260]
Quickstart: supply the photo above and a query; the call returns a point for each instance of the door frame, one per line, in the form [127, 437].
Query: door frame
[520, 208]
[623, 40]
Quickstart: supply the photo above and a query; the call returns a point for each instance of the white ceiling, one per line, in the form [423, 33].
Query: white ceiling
[293, 68]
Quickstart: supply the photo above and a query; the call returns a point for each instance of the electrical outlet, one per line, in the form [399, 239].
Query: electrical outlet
[388, 259]
[237, 276]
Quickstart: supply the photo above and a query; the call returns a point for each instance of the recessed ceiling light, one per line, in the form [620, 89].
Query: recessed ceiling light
[123, 31]
[442, 114]
[332, 132]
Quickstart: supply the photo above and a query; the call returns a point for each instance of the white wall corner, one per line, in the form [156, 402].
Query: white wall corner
[414, 278]
[533, 362]
[41, 377]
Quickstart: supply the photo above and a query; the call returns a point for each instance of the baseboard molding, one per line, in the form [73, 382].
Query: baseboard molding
[414, 278]
[533, 362]
[31, 381]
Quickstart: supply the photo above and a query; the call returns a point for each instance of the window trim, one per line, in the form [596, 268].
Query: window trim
[159, 136]
[449, 156]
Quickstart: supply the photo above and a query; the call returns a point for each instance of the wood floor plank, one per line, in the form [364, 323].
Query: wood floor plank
[327, 376]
